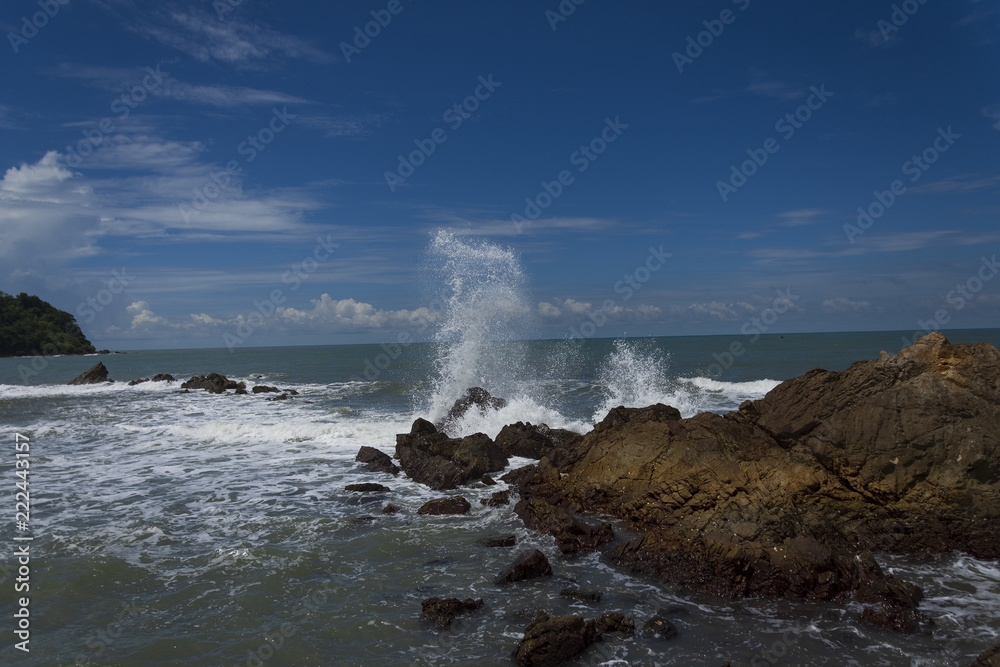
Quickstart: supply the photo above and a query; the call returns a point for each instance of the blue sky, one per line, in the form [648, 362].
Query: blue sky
[169, 168]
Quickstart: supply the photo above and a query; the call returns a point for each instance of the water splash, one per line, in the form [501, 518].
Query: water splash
[487, 317]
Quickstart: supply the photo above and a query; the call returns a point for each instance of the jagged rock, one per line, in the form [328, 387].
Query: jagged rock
[264, 389]
[534, 442]
[376, 461]
[906, 620]
[488, 481]
[572, 535]
[452, 505]
[443, 612]
[615, 623]
[499, 541]
[281, 397]
[787, 496]
[213, 383]
[474, 396]
[432, 458]
[139, 381]
[240, 392]
[497, 499]
[93, 375]
[529, 564]
[554, 641]
[163, 377]
[659, 628]
[367, 488]
[989, 658]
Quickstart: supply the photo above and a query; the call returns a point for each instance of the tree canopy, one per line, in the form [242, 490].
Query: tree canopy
[31, 326]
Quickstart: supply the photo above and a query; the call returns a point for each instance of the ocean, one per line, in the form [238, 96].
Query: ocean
[197, 529]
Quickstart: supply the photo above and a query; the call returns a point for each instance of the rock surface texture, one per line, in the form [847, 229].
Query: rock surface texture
[787, 496]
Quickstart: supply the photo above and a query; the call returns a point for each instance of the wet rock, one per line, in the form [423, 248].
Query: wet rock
[367, 488]
[988, 658]
[163, 377]
[529, 564]
[518, 476]
[534, 442]
[362, 520]
[281, 397]
[390, 509]
[572, 535]
[264, 389]
[659, 628]
[488, 481]
[788, 496]
[905, 620]
[432, 458]
[376, 461]
[615, 623]
[499, 541]
[498, 499]
[93, 375]
[240, 392]
[452, 505]
[442, 612]
[583, 596]
[290, 392]
[473, 397]
[554, 641]
[139, 381]
[213, 383]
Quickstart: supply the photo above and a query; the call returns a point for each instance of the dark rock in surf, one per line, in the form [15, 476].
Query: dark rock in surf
[213, 383]
[240, 392]
[432, 458]
[583, 596]
[659, 628]
[163, 377]
[282, 397]
[441, 612]
[529, 564]
[488, 481]
[534, 442]
[367, 488]
[390, 509]
[139, 381]
[498, 499]
[94, 375]
[499, 541]
[264, 389]
[452, 505]
[615, 623]
[473, 397]
[554, 641]
[376, 461]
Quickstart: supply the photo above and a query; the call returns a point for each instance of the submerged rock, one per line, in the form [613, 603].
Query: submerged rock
[989, 658]
[786, 497]
[93, 375]
[551, 641]
[264, 389]
[529, 564]
[499, 541]
[659, 628]
[442, 612]
[432, 458]
[367, 488]
[498, 499]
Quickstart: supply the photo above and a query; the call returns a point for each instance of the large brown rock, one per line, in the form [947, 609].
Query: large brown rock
[376, 460]
[786, 497]
[554, 641]
[529, 564]
[441, 612]
[94, 375]
[432, 458]
[534, 442]
[474, 397]
[989, 658]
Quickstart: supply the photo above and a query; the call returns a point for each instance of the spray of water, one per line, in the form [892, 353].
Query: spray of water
[487, 316]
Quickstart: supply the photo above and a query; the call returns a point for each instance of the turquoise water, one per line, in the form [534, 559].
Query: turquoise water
[179, 529]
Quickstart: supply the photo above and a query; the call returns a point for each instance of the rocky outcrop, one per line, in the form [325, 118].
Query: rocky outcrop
[476, 397]
[432, 458]
[529, 564]
[159, 377]
[499, 541]
[367, 488]
[213, 383]
[534, 442]
[788, 496]
[376, 461]
[264, 389]
[441, 612]
[94, 375]
[453, 505]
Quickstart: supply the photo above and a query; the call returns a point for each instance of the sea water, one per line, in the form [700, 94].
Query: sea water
[196, 529]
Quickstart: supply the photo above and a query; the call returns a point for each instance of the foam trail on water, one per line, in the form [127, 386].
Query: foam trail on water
[487, 312]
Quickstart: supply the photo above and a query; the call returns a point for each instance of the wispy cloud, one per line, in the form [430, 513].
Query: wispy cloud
[993, 113]
[801, 217]
[842, 305]
[762, 84]
[959, 184]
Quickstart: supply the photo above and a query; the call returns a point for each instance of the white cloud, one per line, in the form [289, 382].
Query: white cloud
[572, 311]
[843, 305]
[328, 314]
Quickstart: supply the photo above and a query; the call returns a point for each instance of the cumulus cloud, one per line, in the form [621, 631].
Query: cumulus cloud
[330, 314]
[571, 311]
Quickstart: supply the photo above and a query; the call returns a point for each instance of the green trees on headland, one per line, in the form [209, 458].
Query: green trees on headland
[31, 326]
